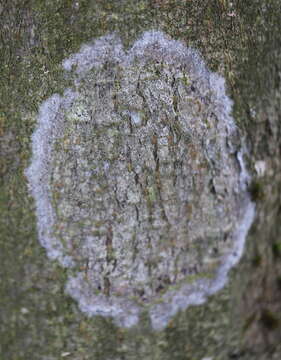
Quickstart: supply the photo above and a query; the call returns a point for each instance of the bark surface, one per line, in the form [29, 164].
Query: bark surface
[239, 41]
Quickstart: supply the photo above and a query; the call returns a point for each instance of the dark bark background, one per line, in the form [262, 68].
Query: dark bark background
[239, 39]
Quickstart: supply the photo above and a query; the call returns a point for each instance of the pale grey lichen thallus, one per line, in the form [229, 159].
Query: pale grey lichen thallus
[138, 189]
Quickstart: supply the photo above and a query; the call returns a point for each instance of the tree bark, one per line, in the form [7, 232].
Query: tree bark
[239, 40]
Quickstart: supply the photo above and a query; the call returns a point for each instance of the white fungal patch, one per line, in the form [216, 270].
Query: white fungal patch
[137, 186]
[260, 167]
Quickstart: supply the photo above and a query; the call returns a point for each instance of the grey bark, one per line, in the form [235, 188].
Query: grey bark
[241, 42]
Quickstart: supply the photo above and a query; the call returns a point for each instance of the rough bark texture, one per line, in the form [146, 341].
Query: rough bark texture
[239, 40]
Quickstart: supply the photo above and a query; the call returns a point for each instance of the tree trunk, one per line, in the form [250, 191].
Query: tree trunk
[42, 314]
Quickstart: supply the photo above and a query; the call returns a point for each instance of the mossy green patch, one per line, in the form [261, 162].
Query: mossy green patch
[256, 191]
[269, 320]
[276, 249]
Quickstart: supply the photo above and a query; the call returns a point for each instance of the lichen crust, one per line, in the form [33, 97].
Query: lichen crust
[139, 181]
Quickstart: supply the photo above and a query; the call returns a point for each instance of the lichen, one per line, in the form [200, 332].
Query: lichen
[136, 181]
